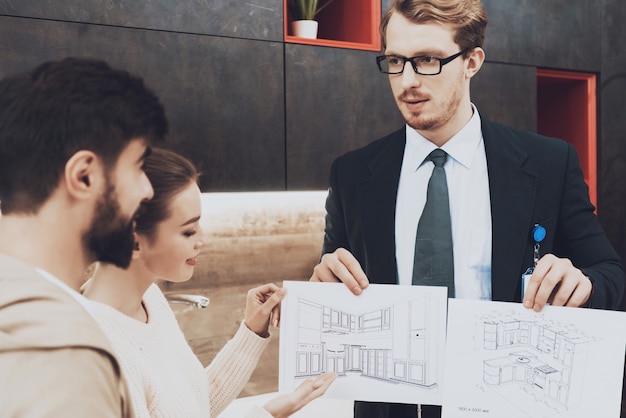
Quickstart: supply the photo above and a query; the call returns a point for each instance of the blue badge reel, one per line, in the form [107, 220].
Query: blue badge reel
[538, 233]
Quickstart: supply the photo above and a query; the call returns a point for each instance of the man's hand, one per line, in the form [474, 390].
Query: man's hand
[341, 266]
[556, 281]
[287, 404]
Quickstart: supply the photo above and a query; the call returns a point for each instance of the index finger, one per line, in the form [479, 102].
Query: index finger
[276, 315]
[274, 300]
[346, 268]
[354, 268]
[269, 301]
[265, 289]
[532, 286]
[537, 291]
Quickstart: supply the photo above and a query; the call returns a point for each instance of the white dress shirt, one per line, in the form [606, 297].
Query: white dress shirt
[470, 207]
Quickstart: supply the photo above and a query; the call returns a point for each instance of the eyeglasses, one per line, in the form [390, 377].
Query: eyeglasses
[424, 65]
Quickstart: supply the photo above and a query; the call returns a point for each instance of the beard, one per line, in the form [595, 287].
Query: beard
[110, 238]
[445, 110]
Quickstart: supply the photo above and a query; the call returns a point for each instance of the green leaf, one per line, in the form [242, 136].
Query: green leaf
[305, 9]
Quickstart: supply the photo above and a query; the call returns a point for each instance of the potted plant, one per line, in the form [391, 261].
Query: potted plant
[303, 13]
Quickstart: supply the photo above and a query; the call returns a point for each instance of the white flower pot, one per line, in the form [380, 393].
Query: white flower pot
[304, 28]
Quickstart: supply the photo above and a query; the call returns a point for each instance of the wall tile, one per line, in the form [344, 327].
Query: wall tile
[336, 101]
[506, 94]
[255, 19]
[224, 96]
[560, 34]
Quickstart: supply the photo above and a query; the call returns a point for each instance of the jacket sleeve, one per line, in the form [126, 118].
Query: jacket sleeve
[584, 242]
[335, 235]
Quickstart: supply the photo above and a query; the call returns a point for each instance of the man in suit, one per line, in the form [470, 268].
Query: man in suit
[73, 137]
[502, 183]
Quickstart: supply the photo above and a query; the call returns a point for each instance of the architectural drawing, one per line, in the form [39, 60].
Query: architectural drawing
[505, 360]
[375, 344]
[541, 356]
[392, 344]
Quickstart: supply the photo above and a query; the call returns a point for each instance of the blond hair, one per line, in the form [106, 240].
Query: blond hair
[467, 17]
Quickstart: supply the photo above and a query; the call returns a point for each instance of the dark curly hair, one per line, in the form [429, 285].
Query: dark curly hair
[59, 108]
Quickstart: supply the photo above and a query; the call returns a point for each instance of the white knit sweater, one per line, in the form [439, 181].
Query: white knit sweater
[165, 378]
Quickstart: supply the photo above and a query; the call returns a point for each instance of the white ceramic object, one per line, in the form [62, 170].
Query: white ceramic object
[304, 28]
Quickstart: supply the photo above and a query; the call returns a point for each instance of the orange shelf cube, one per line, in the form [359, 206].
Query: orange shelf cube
[566, 109]
[352, 24]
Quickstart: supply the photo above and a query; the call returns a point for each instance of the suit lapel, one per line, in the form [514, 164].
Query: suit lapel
[377, 200]
[512, 190]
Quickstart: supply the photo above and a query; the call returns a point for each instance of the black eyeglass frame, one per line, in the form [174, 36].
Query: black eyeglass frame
[442, 62]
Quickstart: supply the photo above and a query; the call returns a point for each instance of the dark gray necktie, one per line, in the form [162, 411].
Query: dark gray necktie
[434, 263]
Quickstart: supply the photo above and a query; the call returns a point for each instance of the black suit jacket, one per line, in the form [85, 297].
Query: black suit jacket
[532, 179]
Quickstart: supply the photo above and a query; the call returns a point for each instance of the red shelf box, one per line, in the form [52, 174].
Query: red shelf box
[352, 24]
[566, 109]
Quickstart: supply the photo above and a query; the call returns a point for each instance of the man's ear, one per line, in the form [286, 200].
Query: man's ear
[474, 62]
[84, 173]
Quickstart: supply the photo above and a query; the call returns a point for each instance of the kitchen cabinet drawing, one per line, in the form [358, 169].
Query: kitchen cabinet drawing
[388, 342]
[505, 360]
[540, 355]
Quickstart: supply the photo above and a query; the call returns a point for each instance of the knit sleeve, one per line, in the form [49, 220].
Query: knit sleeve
[230, 370]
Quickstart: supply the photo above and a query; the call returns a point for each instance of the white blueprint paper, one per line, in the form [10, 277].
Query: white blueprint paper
[503, 360]
[385, 345]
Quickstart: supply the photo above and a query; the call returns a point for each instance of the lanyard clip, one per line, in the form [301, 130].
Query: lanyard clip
[539, 233]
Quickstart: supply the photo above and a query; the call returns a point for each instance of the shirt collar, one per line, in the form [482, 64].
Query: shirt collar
[82, 300]
[461, 147]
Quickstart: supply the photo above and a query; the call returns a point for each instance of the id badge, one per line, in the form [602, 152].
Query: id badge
[526, 279]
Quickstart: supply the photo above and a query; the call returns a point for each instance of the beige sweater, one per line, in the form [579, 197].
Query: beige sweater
[164, 376]
[54, 361]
